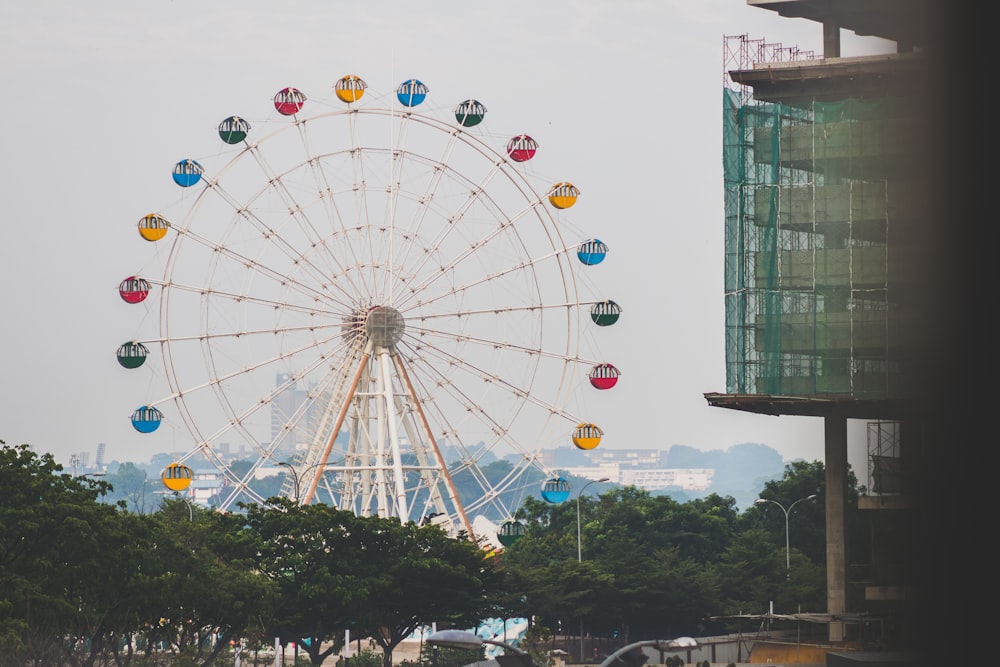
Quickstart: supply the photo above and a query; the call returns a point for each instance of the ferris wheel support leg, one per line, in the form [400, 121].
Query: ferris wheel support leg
[452, 491]
[403, 510]
[336, 427]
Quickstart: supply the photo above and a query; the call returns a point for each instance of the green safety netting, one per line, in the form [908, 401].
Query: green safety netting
[817, 201]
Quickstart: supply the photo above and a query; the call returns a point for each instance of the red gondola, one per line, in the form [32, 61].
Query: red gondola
[289, 101]
[522, 148]
[134, 289]
[604, 376]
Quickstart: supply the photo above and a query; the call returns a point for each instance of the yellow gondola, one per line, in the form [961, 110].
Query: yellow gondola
[153, 227]
[349, 88]
[563, 195]
[177, 476]
[587, 436]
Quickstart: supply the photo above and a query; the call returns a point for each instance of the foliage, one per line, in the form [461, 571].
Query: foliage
[418, 576]
[536, 643]
[439, 656]
[87, 581]
[364, 658]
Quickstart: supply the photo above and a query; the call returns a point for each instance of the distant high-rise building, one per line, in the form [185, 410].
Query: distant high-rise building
[285, 409]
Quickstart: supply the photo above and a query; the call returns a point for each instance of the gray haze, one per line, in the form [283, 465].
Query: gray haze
[104, 97]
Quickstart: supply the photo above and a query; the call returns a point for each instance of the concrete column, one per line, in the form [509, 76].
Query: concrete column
[831, 40]
[835, 452]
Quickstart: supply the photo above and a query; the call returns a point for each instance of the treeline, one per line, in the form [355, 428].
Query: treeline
[87, 582]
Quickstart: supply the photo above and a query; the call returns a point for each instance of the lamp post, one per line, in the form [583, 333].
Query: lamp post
[761, 501]
[462, 639]
[579, 545]
[295, 475]
[177, 496]
[687, 643]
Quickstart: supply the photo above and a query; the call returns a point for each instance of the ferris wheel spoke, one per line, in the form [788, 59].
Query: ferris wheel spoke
[465, 252]
[246, 299]
[520, 391]
[484, 278]
[217, 251]
[426, 336]
[276, 184]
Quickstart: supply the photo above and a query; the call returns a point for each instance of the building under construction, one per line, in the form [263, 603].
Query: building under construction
[836, 288]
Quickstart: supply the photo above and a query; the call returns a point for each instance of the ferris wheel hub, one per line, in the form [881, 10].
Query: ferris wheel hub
[385, 326]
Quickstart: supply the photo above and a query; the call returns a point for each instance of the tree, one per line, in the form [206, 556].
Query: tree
[51, 547]
[418, 575]
[807, 521]
[200, 583]
[314, 556]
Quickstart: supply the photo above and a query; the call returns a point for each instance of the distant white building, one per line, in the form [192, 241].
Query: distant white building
[649, 479]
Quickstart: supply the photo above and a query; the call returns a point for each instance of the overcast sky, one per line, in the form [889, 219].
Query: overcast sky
[104, 97]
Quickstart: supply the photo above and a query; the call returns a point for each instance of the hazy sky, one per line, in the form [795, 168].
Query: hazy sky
[104, 97]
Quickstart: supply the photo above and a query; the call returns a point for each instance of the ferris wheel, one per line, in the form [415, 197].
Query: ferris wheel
[379, 300]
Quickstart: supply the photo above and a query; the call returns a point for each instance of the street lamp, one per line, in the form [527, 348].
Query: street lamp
[177, 496]
[687, 643]
[579, 544]
[761, 501]
[295, 475]
[463, 639]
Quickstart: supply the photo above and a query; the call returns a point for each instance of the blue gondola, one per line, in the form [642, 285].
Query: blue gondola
[146, 419]
[592, 252]
[187, 173]
[412, 92]
[555, 490]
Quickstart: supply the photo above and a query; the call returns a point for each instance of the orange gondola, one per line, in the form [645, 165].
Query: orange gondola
[563, 195]
[350, 88]
[153, 227]
[587, 436]
[177, 476]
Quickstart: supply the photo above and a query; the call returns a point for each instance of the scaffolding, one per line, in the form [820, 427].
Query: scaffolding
[817, 198]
